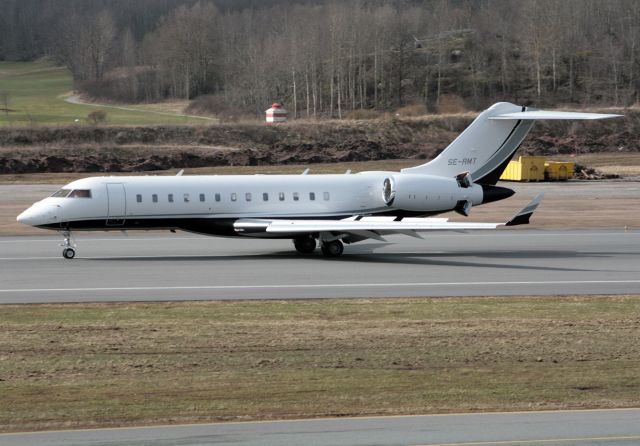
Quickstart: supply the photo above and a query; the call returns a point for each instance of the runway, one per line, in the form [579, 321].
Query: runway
[584, 428]
[152, 266]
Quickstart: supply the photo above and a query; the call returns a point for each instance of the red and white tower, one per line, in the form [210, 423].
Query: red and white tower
[276, 113]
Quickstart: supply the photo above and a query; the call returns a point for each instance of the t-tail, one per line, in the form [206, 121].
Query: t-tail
[485, 147]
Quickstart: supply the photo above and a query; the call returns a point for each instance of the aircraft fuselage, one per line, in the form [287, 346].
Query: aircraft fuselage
[210, 204]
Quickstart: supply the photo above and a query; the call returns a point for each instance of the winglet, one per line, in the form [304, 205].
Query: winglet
[522, 217]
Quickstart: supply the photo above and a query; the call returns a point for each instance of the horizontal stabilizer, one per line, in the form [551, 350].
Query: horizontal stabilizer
[542, 114]
[522, 217]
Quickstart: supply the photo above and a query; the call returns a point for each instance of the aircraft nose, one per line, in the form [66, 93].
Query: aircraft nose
[28, 217]
[38, 215]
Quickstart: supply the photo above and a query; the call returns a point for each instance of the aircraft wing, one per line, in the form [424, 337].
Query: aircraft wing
[374, 227]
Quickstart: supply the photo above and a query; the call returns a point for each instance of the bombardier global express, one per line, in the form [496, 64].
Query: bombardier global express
[329, 210]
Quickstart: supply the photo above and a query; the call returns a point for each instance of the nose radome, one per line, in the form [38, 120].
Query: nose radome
[28, 217]
[38, 215]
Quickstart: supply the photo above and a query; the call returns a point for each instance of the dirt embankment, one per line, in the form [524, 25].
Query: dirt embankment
[130, 149]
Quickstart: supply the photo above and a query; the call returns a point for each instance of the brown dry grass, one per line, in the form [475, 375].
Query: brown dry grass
[65, 177]
[90, 365]
[625, 164]
[564, 212]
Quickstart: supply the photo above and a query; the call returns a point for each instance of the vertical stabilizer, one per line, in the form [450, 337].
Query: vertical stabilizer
[483, 149]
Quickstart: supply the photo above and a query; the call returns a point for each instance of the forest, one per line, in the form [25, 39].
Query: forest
[331, 58]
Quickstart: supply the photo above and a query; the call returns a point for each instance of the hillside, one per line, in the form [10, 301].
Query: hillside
[34, 94]
[149, 148]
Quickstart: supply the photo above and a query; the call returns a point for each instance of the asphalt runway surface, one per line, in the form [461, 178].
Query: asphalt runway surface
[584, 428]
[153, 266]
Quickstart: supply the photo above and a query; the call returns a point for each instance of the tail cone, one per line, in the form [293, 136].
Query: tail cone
[495, 193]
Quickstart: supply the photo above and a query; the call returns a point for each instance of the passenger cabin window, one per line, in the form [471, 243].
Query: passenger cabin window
[62, 193]
[312, 196]
[296, 196]
[326, 196]
[201, 197]
[154, 198]
[217, 197]
[170, 198]
[234, 196]
[186, 198]
[80, 193]
[247, 196]
[139, 198]
[281, 196]
[265, 196]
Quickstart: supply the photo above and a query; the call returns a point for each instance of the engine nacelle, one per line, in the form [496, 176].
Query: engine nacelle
[415, 192]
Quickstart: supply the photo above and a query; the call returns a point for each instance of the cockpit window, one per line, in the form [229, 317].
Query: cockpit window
[61, 193]
[80, 193]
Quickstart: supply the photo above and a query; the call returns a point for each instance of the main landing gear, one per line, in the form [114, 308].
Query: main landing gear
[68, 251]
[332, 249]
[306, 245]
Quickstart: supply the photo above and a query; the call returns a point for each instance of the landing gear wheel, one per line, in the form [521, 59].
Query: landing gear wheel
[332, 249]
[68, 253]
[305, 245]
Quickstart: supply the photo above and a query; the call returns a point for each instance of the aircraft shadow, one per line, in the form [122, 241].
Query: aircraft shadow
[439, 259]
[407, 258]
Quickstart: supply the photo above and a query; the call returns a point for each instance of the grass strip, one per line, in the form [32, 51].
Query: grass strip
[36, 96]
[99, 365]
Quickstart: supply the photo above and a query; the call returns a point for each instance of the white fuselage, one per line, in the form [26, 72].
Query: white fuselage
[198, 203]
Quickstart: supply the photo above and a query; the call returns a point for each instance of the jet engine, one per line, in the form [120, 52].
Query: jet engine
[425, 193]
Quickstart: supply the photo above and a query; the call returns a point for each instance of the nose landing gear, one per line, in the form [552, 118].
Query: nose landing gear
[68, 251]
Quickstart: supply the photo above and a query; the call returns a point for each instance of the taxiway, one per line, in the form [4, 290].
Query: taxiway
[618, 427]
[153, 266]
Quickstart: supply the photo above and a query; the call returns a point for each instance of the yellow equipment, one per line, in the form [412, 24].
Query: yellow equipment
[527, 168]
[535, 168]
[558, 171]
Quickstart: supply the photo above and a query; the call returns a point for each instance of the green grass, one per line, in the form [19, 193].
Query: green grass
[37, 92]
[93, 365]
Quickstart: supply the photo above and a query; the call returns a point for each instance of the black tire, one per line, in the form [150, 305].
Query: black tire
[305, 245]
[68, 253]
[332, 249]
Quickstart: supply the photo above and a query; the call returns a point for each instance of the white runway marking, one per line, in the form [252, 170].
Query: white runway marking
[104, 239]
[534, 442]
[318, 285]
[30, 258]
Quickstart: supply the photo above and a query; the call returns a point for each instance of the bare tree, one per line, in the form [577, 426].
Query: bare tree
[183, 48]
[4, 100]
[100, 40]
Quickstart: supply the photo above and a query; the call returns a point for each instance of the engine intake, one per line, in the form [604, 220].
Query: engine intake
[389, 190]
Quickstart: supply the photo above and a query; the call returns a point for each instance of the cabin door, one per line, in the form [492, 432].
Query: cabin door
[117, 204]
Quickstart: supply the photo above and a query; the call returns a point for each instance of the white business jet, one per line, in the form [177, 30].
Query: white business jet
[329, 209]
